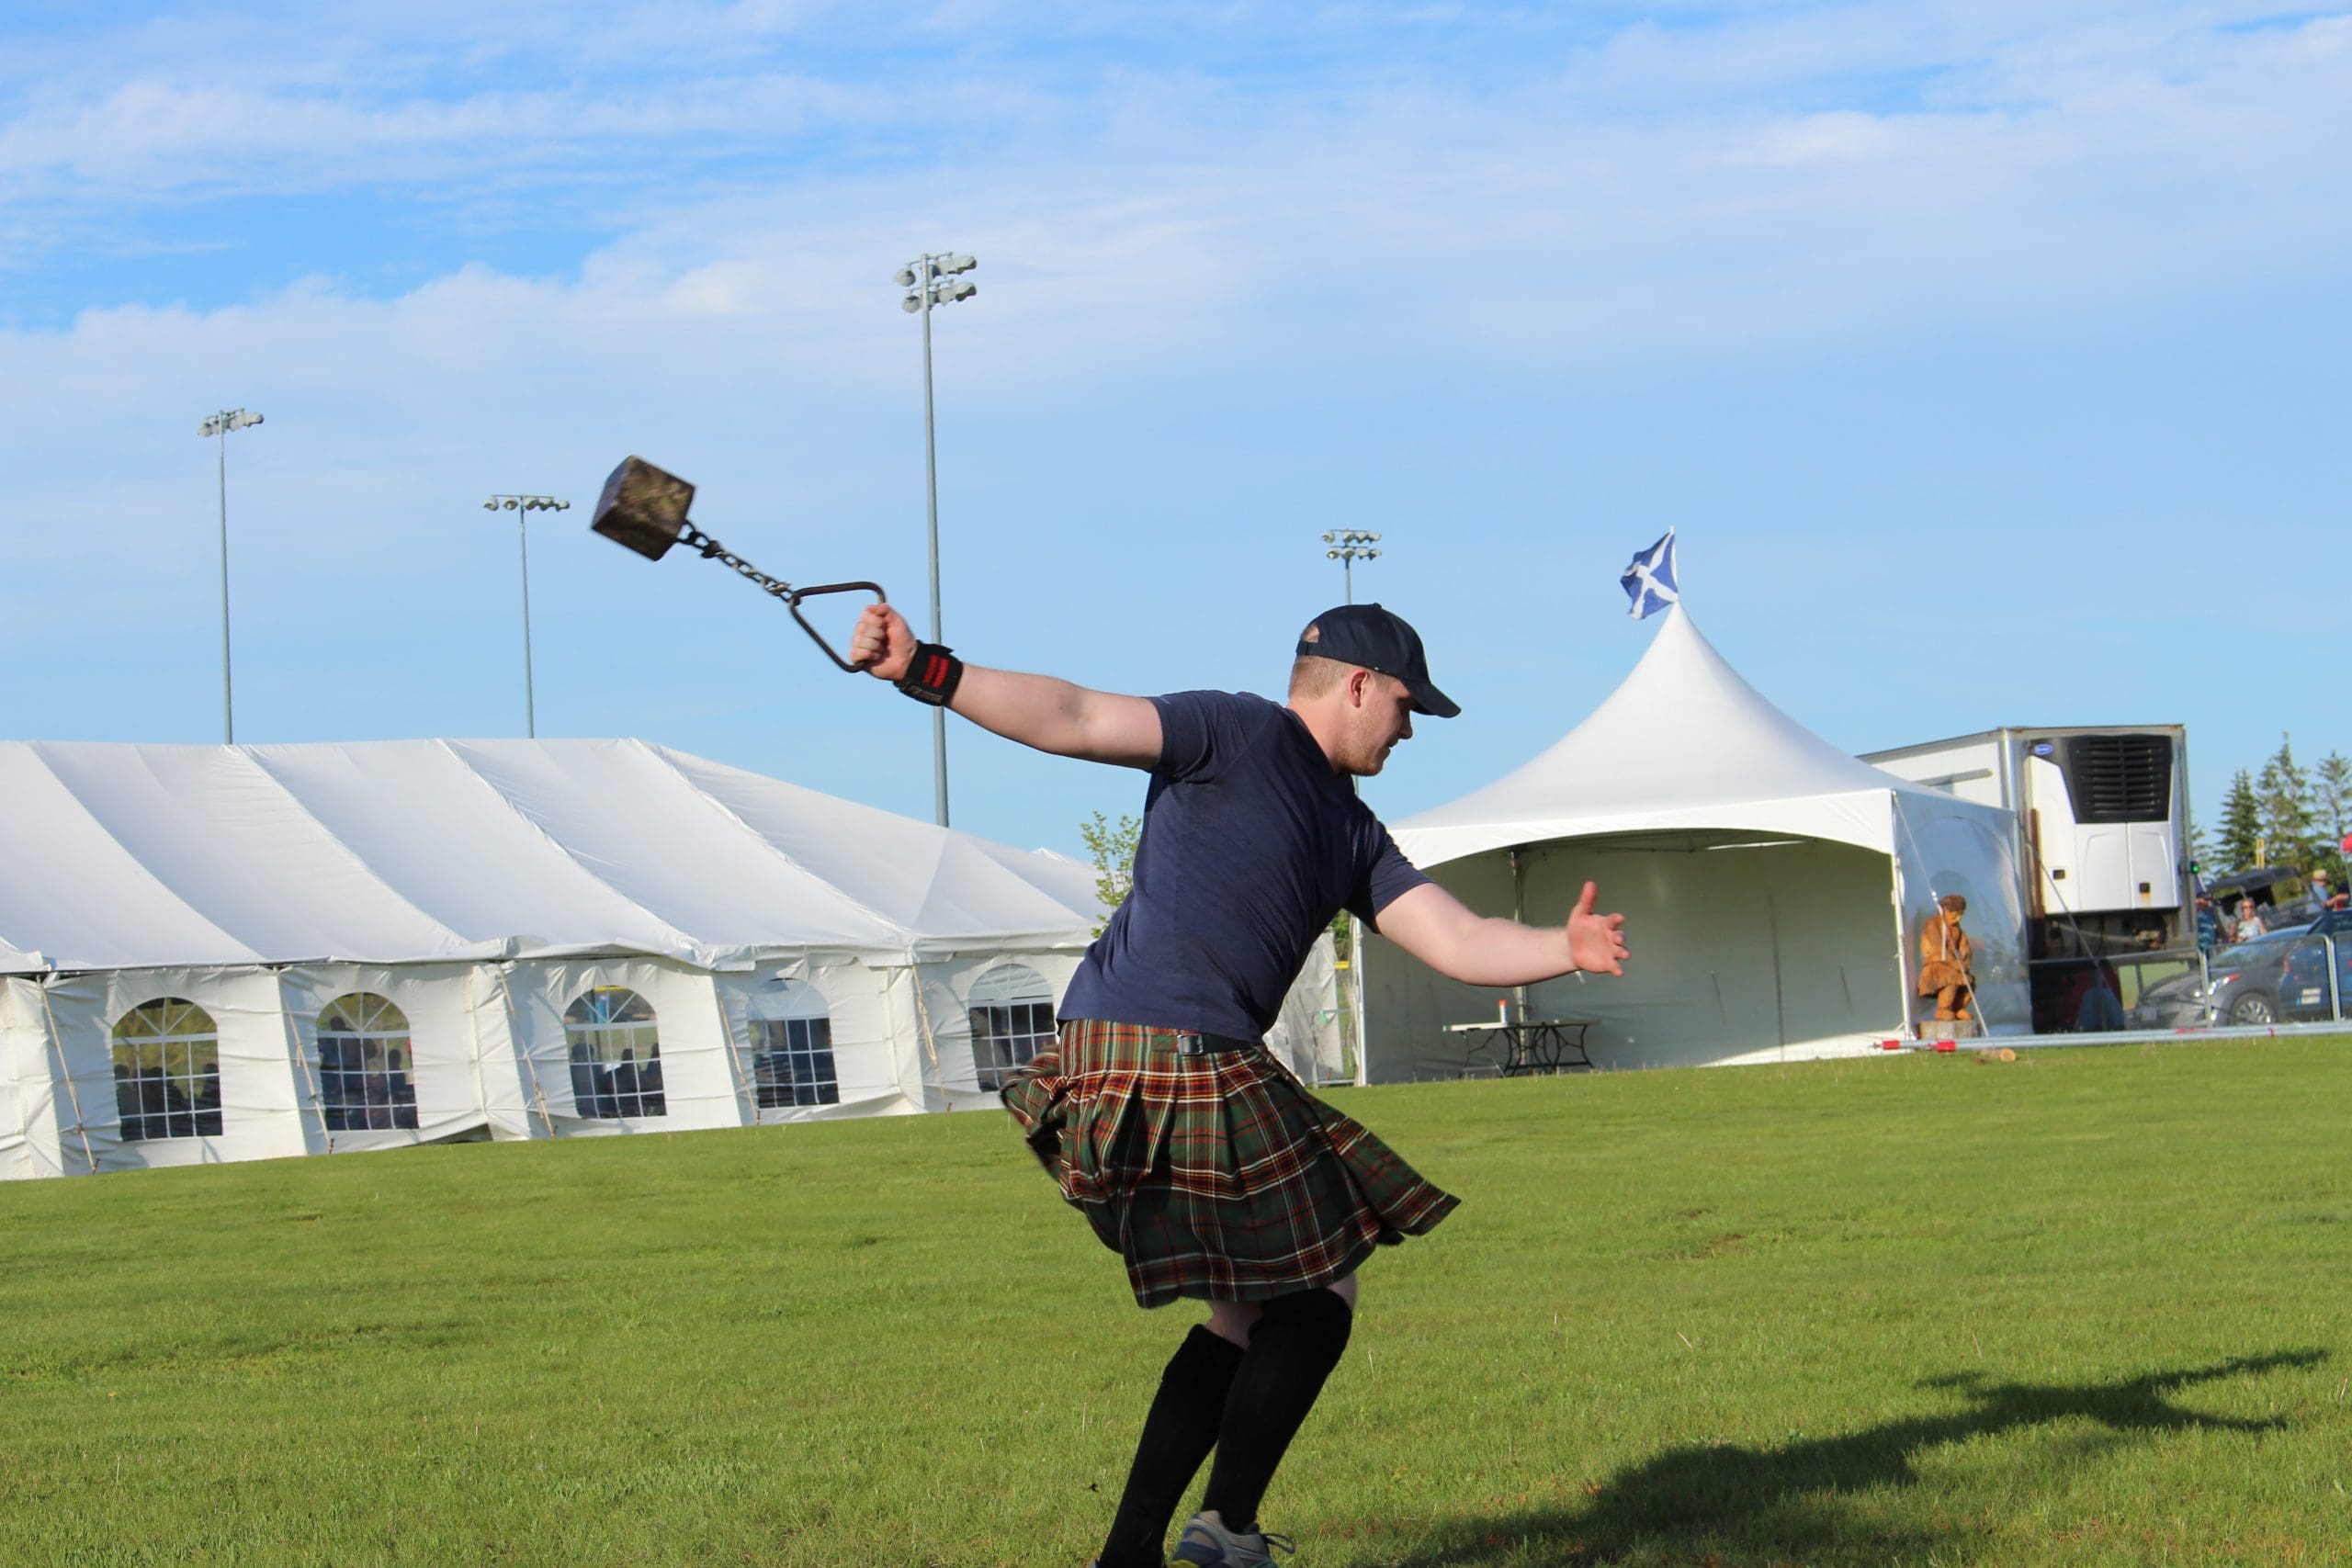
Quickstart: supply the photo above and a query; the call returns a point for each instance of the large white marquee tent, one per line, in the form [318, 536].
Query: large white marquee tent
[1773, 886]
[214, 953]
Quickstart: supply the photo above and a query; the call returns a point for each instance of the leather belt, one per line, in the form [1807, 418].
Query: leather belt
[1192, 1042]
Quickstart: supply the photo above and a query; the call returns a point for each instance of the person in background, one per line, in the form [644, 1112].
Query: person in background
[1947, 961]
[2100, 1010]
[2249, 923]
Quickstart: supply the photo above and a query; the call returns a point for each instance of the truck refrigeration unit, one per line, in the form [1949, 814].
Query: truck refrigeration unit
[2102, 815]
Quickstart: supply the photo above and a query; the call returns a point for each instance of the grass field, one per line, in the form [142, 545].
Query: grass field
[2092, 1307]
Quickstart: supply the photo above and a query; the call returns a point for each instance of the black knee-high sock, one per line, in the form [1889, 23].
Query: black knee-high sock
[1293, 1345]
[1177, 1435]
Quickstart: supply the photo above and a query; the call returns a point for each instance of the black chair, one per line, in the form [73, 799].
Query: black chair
[584, 1081]
[125, 1104]
[179, 1112]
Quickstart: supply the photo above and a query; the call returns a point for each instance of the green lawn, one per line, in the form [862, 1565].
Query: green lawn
[2091, 1307]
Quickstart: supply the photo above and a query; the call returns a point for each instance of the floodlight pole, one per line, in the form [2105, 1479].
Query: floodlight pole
[523, 506]
[931, 513]
[1348, 546]
[220, 424]
[920, 278]
[228, 691]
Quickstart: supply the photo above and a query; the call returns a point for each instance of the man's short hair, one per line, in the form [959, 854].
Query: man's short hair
[1311, 676]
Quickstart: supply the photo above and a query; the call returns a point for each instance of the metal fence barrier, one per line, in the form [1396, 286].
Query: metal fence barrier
[2288, 981]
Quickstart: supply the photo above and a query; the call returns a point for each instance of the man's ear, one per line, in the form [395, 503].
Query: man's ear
[1359, 682]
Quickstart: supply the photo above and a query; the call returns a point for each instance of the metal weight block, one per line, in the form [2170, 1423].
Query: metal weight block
[644, 508]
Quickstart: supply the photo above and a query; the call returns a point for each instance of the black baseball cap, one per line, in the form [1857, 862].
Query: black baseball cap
[1380, 639]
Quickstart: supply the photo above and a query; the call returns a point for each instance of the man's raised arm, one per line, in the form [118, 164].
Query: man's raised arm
[1036, 710]
[1442, 932]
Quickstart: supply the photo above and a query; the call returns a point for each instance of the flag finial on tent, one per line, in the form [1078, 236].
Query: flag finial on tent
[1650, 582]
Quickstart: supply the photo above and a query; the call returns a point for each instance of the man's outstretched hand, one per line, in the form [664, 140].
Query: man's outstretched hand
[1597, 942]
[883, 645]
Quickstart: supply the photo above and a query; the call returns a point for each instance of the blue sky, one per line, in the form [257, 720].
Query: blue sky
[1990, 359]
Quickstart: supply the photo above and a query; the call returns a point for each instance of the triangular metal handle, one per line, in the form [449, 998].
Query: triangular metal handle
[792, 602]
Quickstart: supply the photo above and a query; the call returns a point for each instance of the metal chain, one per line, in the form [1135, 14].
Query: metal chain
[713, 550]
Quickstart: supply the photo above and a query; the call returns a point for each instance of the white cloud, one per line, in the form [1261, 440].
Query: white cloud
[161, 138]
[1512, 223]
[1686, 192]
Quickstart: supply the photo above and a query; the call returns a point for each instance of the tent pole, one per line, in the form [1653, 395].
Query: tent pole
[523, 1048]
[923, 1032]
[66, 1076]
[1896, 891]
[1356, 1022]
[294, 1048]
[473, 1030]
[1518, 914]
[746, 1094]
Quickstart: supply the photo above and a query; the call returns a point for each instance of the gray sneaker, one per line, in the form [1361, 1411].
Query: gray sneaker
[1207, 1542]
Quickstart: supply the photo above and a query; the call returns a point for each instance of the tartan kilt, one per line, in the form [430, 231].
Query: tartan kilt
[1217, 1177]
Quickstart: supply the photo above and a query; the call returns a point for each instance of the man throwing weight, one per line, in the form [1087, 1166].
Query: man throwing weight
[1195, 1155]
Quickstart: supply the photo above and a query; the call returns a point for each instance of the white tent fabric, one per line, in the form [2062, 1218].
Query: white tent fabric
[1684, 742]
[477, 892]
[767, 954]
[1773, 885]
[1307, 1035]
[414, 851]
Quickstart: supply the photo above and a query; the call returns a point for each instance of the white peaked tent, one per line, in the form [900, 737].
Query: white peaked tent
[1773, 886]
[214, 953]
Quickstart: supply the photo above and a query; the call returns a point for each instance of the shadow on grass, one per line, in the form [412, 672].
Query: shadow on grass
[1731, 1504]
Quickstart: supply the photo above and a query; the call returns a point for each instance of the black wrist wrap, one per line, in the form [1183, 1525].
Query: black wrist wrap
[932, 675]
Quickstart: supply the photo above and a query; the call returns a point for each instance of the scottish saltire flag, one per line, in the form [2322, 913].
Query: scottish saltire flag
[1649, 581]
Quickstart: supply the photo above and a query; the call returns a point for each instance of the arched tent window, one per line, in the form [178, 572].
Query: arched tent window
[167, 1071]
[1012, 1019]
[615, 1054]
[364, 1078]
[792, 1046]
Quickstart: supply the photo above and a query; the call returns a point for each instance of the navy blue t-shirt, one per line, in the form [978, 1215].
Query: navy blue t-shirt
[1251, 845]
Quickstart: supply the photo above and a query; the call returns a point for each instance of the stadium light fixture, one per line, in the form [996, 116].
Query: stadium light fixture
[1348, 545]
[220, 425]
[931, 281]
[522, 506]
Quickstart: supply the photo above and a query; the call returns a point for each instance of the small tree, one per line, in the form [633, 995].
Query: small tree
[2238, 840]
[1112, 845]
[2283, 792]
[2332, 799]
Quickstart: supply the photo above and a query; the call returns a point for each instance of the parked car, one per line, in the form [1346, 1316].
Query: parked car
[2240, 985]
[2307, 911]
[2302, 983]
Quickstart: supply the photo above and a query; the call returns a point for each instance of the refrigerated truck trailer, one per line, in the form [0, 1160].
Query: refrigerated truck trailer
[2102, 825]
